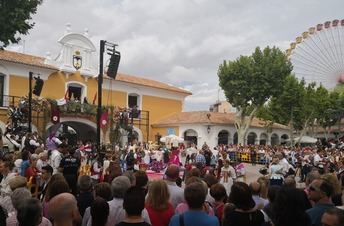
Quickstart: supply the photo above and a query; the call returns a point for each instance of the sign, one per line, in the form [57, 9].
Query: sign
[171, 131]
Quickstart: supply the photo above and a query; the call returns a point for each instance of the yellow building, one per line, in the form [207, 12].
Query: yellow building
[155, 99]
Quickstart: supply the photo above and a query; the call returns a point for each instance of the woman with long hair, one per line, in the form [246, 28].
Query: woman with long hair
[99, 212]
[241, 211]
[290, 208]
[160, 210]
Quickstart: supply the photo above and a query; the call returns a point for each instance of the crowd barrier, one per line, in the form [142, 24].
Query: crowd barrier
[259, 158]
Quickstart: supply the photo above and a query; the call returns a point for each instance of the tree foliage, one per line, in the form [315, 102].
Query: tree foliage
[249, 81]
[15, 19]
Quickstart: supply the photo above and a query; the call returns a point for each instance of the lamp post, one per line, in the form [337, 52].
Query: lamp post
[114, 62]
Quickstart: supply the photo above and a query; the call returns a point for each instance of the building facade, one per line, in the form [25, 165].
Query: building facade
[72, 75]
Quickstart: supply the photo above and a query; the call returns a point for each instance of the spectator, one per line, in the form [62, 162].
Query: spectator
[333, 217]
[99, 212]
[176, 193]
[119, 186]
[289, 208]
[25, 163]
[47, 172]
[32, 171]
[337, 190]
[30, 214]
[55, 187]
[19, 197]
[64, 210]
[289, 182]
[183, 207]
[194, 195]
[133, 204]
[255, 190]
[320, 191]
[102, 190]
[159, 209]
[243, 213]
[85, 196]
[268, 210]
[141, 180]
[218, 192]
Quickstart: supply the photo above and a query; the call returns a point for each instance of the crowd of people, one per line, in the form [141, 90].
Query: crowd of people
[53, 183]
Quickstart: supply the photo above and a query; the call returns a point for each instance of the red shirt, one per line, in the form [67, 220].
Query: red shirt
[160, 217]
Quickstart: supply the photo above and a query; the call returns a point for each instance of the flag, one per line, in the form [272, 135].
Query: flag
[94, 99]
[104, 119]
[67, 95]
[55, 115]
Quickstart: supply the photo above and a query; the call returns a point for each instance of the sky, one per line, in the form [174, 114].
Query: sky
[179, 42]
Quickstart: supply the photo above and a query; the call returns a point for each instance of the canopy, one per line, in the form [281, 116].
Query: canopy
[306, 139]
[172, 139]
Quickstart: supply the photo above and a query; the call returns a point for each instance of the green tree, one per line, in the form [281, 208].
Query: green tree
[249, 81]
[15, 19]
[287, 107]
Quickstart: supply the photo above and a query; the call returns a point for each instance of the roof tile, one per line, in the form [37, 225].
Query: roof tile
[206, 117]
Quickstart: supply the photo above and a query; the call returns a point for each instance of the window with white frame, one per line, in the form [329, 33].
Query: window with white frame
[75, 91]
[134, 105]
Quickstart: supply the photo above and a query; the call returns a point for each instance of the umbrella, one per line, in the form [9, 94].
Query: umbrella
[306, 140]
[172, 139]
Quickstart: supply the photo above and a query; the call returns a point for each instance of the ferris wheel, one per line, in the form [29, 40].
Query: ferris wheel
[318, 54]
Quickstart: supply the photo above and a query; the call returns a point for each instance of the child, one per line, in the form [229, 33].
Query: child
[225, 171]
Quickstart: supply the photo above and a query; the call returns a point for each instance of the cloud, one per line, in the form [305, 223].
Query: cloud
[181, 42]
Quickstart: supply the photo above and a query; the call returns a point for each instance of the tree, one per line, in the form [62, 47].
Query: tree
[287, 107]
[15, 19]
[249, 81]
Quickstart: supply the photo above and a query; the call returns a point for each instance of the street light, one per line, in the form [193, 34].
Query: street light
[113, 66]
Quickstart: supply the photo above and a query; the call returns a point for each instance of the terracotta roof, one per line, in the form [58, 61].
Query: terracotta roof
[36, 61]
[206, 117]
[26, 59]
[148, 82]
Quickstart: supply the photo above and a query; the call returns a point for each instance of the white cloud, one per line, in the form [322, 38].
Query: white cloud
[181, 42]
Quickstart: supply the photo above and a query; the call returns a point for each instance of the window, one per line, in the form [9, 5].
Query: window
[133, 101]
[75, 91]
[134, 105]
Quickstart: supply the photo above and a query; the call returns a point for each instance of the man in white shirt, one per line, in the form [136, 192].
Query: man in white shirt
[176, 193]
[56, 157]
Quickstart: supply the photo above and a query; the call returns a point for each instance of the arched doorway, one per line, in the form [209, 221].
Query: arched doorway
[263, 139]
[274, 139]
[190, 136]
[235, 138]
[223, 137]
[284, 138]
[251, 138]
[74, 129]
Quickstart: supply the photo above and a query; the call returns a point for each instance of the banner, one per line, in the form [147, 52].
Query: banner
[104, 120]
[55, 115]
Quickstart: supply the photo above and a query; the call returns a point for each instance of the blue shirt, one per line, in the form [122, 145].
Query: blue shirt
[195, 218]
[25, 164]
[317, 211]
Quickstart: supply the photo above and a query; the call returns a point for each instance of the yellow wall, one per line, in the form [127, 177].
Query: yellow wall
[19, 86]
[54, 88]
[158, 108]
